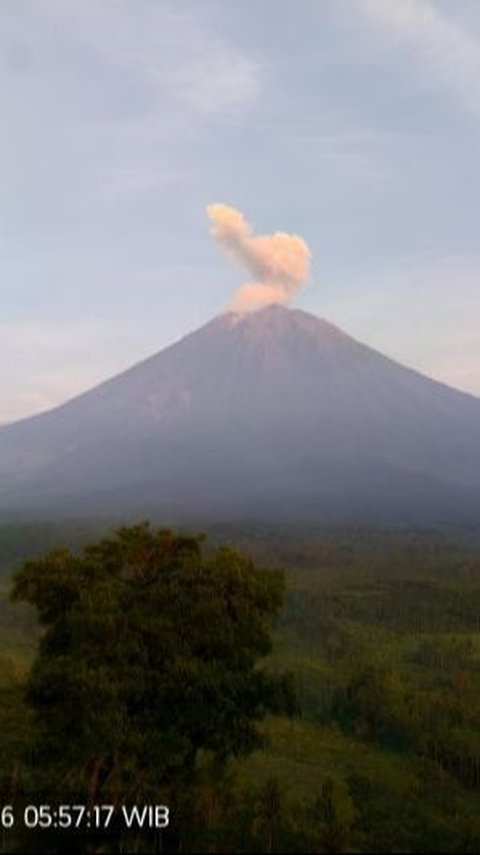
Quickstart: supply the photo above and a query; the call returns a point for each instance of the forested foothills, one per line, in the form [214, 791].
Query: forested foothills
[307, 691]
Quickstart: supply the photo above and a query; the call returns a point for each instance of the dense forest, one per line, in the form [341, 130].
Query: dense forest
[361, 732]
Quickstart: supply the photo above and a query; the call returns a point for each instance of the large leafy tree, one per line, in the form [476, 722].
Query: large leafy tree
[150, 660]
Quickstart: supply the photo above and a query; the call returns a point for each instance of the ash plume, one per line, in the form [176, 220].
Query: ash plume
[278, 263]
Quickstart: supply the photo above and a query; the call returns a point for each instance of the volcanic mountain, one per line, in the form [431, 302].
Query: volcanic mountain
[273, 415]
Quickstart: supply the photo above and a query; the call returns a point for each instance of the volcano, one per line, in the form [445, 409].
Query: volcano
[273, 415]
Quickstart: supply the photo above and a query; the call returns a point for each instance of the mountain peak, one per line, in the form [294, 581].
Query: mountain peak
[271, 412]
[276, 320]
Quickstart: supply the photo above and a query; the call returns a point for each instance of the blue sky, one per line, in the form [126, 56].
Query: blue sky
[353, 123]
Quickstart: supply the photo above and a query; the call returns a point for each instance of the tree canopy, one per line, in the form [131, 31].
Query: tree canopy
[150, 656]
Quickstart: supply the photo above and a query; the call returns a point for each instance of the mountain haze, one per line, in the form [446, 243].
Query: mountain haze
[270, 415]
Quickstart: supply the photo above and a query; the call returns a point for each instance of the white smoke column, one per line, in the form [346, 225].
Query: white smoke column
[278, 263]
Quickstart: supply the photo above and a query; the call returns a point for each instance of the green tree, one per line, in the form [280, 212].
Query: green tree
[374, 704]
[269, 823]
[149, 657]
[327, 824]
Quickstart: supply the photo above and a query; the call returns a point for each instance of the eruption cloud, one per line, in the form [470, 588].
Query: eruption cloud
[278, 263]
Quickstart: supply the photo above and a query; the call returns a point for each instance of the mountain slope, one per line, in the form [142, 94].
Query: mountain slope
[273, 414]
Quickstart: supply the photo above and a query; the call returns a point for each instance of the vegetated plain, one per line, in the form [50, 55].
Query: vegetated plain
[381, 631]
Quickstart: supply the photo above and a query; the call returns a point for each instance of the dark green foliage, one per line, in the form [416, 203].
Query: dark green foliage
[149, 655]
[326, 822]
[374, 705]
[381, 634]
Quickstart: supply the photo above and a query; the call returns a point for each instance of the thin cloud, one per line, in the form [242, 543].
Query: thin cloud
[179, 76]
[175, 52]
[443, 52]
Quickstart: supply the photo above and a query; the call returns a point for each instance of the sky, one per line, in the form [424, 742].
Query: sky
[354, 124]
